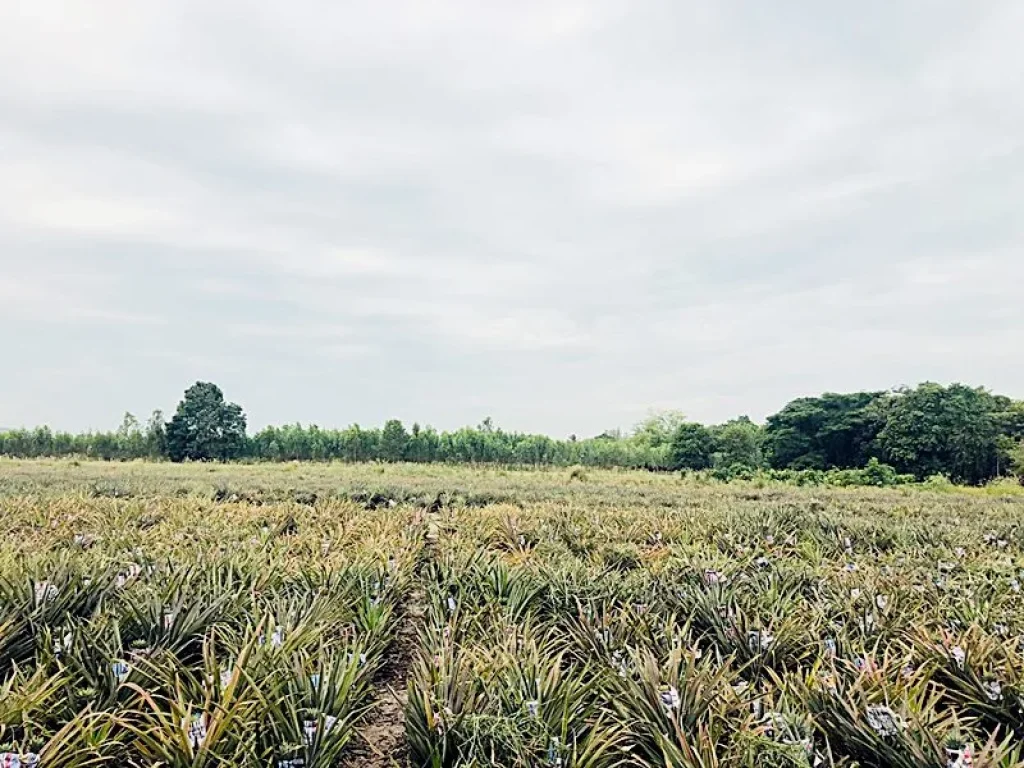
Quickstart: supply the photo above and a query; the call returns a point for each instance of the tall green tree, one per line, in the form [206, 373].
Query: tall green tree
[738, 442]
[205, 426]
[393, 441]
[832, 430]
[423, 443]
[156, 435]
[692, 447]
[1009, 417]
[1016, 461]
[657, 430]
[934, 429]
[130, 440]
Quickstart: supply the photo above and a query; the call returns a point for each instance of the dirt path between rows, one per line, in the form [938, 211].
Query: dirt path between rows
[380, 741]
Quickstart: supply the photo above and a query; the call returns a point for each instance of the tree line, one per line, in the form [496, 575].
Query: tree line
[963, 433]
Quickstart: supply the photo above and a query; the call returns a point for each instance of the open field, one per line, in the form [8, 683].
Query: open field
[373, 615]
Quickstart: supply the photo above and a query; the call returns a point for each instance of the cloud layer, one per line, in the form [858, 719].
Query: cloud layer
[557, 213]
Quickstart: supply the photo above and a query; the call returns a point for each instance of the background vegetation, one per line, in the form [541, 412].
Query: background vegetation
[964, 434]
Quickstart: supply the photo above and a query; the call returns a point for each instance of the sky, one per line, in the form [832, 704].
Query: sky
[562, 215]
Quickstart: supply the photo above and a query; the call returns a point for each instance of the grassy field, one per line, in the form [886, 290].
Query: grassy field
[306, 615]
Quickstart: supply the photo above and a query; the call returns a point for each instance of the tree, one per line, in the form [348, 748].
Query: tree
[941, 430]
[832, 430]
[423, 444]
[393, 441]
[534, 449]
[1009, 421]
[738, 442]
[156, 435]
[1017, 461]
[129, 437]
[692, 447]
[1006, 450]
[205, 426]
[1010, 418]
[658, 428]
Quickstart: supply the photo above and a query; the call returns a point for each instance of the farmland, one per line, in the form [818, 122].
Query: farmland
[305, 615]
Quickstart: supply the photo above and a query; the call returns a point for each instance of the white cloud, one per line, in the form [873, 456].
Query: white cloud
[348, 212]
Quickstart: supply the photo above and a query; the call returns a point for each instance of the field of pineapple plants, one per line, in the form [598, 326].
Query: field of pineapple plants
[305, 616]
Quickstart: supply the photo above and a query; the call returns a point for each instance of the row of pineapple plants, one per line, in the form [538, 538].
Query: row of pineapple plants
[798, 638]
[688, 630]
[180, 654]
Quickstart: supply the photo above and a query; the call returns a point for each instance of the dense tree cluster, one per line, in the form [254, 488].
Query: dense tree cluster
[966, 434]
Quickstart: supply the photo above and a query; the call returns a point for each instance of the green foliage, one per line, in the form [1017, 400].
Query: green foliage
[832, 430]
[1009, 417]
[875, 473]
[692, 447]
[156, 436]
[130, 440]
[659, 428]
[934, 429]
[738, 444]
[205, 426]
[1016, 456]
[485, 444]
[423, 444]
[394, 441]
[965, 434]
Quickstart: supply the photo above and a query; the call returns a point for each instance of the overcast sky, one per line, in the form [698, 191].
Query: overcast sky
[559, 214]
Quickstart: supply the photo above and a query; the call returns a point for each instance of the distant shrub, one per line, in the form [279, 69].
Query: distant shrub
[877, 473]
[938, 482]
[734, 472]
[1005, 486]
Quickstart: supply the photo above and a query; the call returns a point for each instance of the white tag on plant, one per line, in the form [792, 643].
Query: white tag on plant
[19, 760]
[197, 731]
[670, 697]
[959, 756]
[759, 640]
[958, 655]
[277, 638]
[310, 728]
[554, 753]
[884, 721]
[993, 690]
[45, 592]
